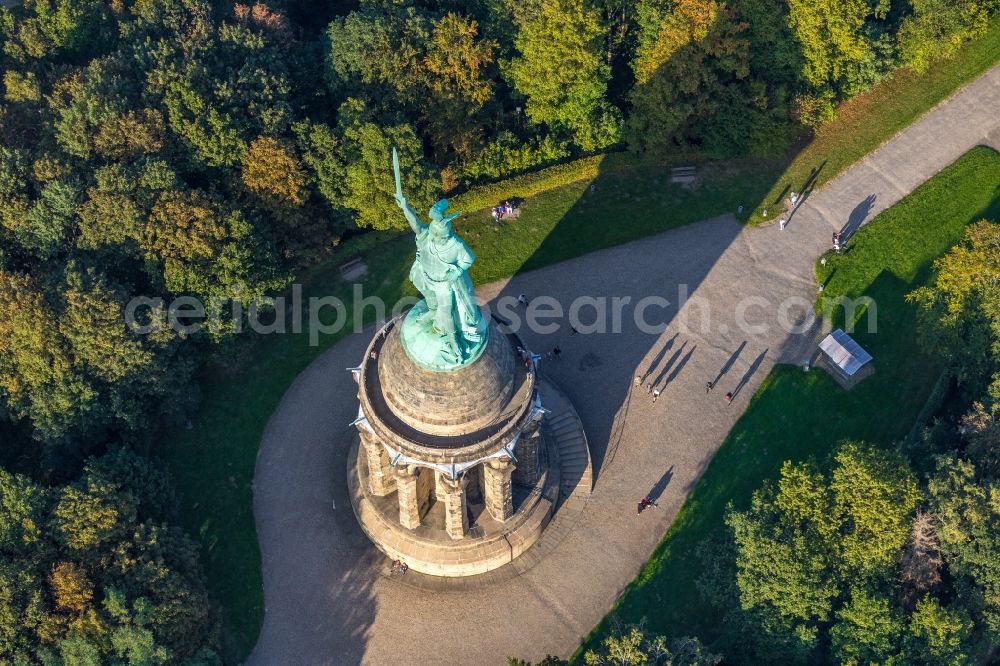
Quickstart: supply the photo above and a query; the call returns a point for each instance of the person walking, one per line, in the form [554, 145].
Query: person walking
[794, 198]
[729, 398]
[782, 223]
[656, 394]
[523, 300]
[638, 381]
[644, 504]
[709, 386]
[556, 353]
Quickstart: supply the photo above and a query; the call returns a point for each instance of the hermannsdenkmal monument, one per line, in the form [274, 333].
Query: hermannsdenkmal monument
[463, 451]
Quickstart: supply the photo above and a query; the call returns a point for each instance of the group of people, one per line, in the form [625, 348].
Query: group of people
[526, 356]
[504, 210]
[646, 502]
[650, 389]
[655, 390]
[783, 222]
[837, 241]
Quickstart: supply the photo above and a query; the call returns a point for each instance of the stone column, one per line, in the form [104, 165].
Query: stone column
[381, 480]
[456, 515]
[499, 493]
[439, 488]
[526, 453]
[409, 501]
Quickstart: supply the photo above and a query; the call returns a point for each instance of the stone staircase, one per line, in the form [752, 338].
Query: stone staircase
[562, 427]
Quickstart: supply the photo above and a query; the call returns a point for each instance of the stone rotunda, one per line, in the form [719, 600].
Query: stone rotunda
[455, 472]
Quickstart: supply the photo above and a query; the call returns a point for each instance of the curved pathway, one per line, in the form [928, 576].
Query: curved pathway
[328, 600]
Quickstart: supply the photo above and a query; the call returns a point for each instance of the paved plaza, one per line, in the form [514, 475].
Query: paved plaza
[328, 597]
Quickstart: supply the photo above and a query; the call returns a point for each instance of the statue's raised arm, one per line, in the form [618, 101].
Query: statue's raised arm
[411, 215]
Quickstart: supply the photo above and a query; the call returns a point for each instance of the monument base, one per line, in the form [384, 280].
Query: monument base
[489, 544]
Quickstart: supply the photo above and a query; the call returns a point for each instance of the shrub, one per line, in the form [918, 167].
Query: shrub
[506, 156]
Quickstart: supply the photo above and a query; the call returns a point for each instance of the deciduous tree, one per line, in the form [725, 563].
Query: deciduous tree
[91, 572]
[960, 311]
[808, 541]
[368, 186]
[559, 68]
[689, 53]
[937, 28]
[836, 48]
[272, 170]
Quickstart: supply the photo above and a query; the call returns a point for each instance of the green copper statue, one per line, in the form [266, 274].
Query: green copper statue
[446, 330]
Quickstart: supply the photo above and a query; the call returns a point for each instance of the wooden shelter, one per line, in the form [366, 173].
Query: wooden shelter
[846, 361]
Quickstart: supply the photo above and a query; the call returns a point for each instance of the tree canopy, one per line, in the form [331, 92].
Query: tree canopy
[960, 311]
[92, 572]
[859, 563]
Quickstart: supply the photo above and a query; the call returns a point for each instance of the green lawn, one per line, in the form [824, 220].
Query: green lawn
[795, 415]
[617, 206]
[569, 210]
[866, 121]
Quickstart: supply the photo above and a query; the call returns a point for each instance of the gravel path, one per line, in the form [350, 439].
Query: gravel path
[327, 599]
